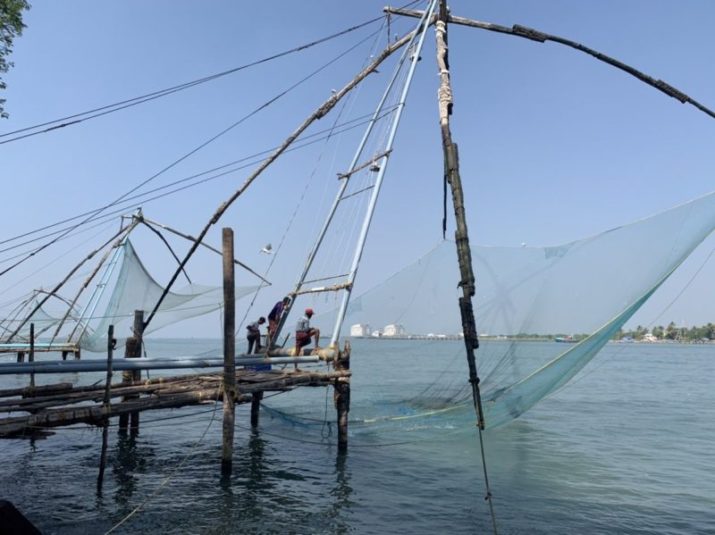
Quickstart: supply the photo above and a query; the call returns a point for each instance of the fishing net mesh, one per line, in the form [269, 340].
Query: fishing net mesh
[587, 288]
[136, 289]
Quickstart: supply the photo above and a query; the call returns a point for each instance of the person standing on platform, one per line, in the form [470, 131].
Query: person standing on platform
[274, 318]
[304, 332]
[254, 335]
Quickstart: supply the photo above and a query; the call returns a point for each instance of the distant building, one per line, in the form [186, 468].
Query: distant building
[360, 329]
[376, 334]
[394, 329]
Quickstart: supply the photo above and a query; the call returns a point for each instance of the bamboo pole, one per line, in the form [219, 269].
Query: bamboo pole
[341, 397]
[82, 288]
[255, 407]
[249, 385]
[540, 37]
[451, 173]
[137, 353]
[198, 393]
[229, 352]
[132, 350]
[319, 113]
[31, 392]
[95, 414]
[467, 282]
[107, 406]
[192, 239]
[68, 276]
[32, 353]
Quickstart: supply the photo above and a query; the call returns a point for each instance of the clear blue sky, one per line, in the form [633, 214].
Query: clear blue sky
[554, 145]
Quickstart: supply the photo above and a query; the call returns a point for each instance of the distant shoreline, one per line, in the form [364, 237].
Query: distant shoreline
[452, 337]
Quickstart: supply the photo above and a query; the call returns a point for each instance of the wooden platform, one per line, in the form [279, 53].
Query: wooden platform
[30, 409]
[23, 349]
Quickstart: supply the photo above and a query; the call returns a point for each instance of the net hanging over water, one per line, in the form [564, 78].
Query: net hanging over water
[590, 286]
[136, 289]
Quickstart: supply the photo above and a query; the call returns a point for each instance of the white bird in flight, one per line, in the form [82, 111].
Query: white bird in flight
[267, 249]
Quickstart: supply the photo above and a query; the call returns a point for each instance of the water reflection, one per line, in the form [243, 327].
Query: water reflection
[253, 482]
[131, 457]
[341, 493]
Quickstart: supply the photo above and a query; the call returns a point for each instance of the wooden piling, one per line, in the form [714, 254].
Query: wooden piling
[107, 407]
[133, 350]
[341, 396]
[32, 352]
[229, 352]
[255, 408]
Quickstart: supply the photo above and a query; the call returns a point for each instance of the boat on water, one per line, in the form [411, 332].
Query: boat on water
[565, 339]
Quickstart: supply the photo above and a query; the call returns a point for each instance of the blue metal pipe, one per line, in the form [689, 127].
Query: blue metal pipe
[100, 365]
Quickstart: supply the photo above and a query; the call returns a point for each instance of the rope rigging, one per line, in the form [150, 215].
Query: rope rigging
[188, 154]
[77, 118]
[331, 131]
[247, 161]
[320, 112]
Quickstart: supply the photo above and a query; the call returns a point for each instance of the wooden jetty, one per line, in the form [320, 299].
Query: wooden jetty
[62, 404]
[245, 379]
[23, 349]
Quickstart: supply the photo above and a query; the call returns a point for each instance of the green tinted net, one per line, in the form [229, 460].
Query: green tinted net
[589, 287]
[135, 289]
[41, 320]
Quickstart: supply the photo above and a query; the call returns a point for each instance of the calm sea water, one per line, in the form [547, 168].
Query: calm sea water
[627, 447]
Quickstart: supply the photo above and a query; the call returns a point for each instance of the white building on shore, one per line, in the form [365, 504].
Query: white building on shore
[394, 329]
[360, 329]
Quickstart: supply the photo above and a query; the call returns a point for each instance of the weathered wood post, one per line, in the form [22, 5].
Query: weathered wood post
[107, 397]
[461, 236]
[229, 352]
[341, 396]
[32, 353]
[255, 407]
[132, 350]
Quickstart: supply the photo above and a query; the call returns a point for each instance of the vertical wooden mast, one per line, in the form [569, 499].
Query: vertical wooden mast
[451, 174]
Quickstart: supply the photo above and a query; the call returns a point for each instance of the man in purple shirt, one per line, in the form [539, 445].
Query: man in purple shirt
[274, 318]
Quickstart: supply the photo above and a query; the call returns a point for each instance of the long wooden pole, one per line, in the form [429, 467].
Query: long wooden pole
[451, 171]
[540, 37]
[67, 277]
[319, 113]
[107, 407]
[229, 352]
[32, 352]
[133, 350]
[341, 397]
[149, 222]
[467, 282]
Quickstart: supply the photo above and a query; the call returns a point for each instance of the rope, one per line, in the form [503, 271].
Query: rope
[117, 106]
[185, 156]
[346, 127]
[289, 225]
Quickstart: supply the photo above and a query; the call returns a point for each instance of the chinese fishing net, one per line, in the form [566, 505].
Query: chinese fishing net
[135, 289]
[589, 287]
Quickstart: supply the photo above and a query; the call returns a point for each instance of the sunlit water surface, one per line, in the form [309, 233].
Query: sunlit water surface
[627, 447]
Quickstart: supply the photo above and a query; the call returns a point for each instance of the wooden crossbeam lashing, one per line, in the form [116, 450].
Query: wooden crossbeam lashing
[62, 406]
